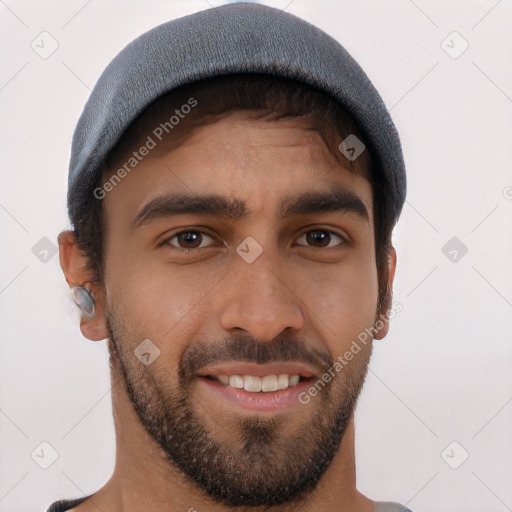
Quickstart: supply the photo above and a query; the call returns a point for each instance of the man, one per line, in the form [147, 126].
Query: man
[234, 182]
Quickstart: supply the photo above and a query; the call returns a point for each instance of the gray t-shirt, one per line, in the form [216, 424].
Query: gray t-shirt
[380, 506]
[388, 506]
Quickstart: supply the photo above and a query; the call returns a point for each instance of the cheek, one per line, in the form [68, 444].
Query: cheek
[341, 302]
[162, 303]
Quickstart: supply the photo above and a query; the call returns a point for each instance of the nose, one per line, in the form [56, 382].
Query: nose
[259, 299]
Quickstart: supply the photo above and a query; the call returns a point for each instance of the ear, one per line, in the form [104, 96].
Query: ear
[76, 271]
[382, 320]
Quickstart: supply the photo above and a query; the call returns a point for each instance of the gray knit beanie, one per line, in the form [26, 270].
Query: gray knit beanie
[233, 38]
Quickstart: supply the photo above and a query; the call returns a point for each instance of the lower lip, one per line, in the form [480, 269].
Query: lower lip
[263, 401]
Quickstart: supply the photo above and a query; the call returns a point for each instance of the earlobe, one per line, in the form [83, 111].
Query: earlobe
[84, 287]
[94, 328]
[381, 325]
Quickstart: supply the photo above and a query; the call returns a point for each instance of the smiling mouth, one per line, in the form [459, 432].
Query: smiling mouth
[256, 384]
[262, 388]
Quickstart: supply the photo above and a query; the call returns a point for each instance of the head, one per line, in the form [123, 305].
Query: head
[166, 253]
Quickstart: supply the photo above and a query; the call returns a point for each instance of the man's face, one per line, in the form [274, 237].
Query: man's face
[188, 282]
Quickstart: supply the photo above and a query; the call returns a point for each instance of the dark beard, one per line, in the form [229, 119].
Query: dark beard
[264, 466]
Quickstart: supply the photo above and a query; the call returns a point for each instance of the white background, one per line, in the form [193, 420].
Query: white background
[444, 372]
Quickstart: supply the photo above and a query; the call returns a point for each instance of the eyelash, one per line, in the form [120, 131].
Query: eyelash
[344, 240]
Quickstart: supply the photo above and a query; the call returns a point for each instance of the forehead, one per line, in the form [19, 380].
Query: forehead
[246, 141]
[238, 155]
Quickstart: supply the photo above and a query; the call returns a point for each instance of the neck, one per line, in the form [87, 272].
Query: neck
[143, 478]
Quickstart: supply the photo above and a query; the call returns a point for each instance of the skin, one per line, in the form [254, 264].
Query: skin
[323, 297]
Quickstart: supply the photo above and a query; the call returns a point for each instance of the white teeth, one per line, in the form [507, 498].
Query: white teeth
[294, 380]
[282, 381]
[269, 383]
[224, 379]
[252, 384]
[235, 381]
[255, 384]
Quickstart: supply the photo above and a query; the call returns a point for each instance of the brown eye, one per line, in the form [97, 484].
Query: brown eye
[190, 239]
[322, 238]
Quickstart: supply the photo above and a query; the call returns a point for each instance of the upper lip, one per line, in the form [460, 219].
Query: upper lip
[258, 370]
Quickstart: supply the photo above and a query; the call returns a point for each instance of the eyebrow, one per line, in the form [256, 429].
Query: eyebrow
[307, 203]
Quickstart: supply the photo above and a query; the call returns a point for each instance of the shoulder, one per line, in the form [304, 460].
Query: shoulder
[389, 506]
[65, 505]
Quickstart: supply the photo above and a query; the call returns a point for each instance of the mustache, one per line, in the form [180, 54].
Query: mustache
[248, 349]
